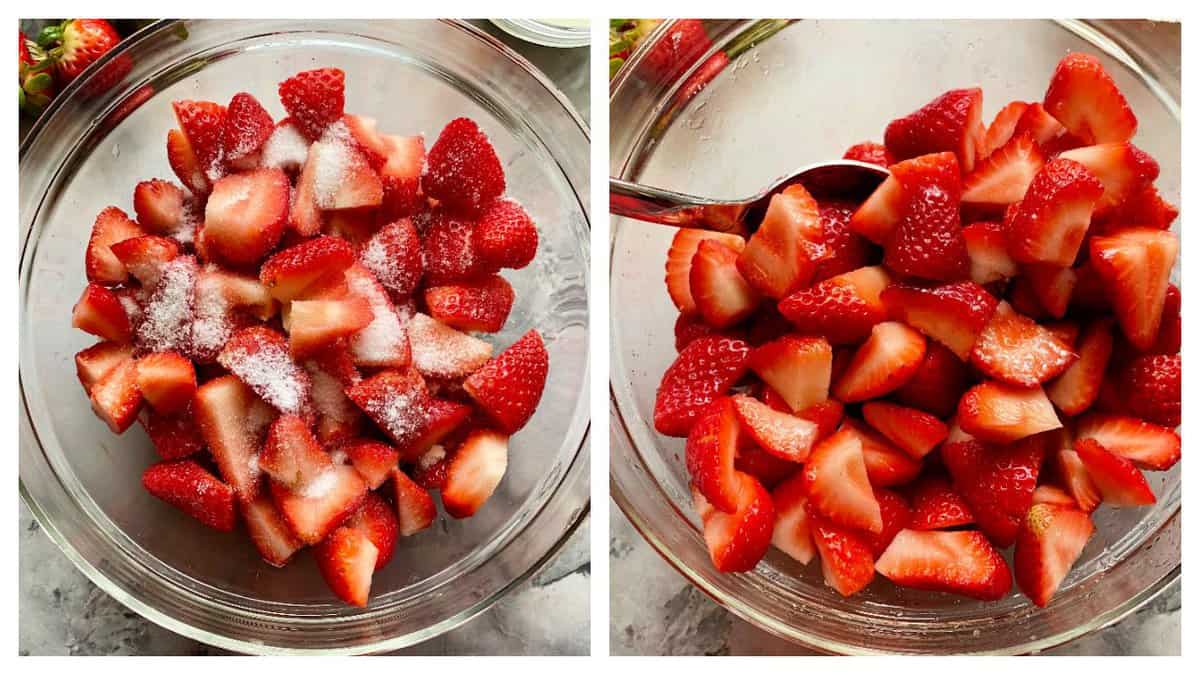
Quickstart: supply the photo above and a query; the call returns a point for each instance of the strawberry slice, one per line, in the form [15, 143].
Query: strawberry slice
[765, 467]
[449, 250]
[888, 358]
[837, 485]
[1053, 287]
[505, 235]
[869, 152]
[996, 412]
[96, 361]
[1066, 332]
[827, 415]
[443, 352]
[996, 482]
[144, 257]
[927, 241]
[314, 99]
[168, 316]
[102, 265]
[393, 255]
[462, 169]
[723, 296]
[414, 505]
[509, 386]
[1002, 128]
[260, 357]
[1147, 445]
[1170, 329]
[886, 464]
[845, 251]
[877, 216]
[231, 420]
[703, 371]
[373, 460]
[337, 417]
[401, 176]
[1015, 350]
[796, 368]
[1134, 266]
[314, 325]
[1143, 207]
[201, 122]
[1048, 132]
[1005, 175]
[792, 533]
[1054, 496]
[1079, 385]
[115, 397]
[843, 308]
[99, 311]
[987, 248]
[847, 556]
[1053, 216]
[304, 217]
[159, 206]
[1074, 475]
[245, 215]
[679, 263]
[1118, 480]
[174, 436]
[474, 472]
[936, 506]
[711, 447]
[1122, 169]
[1083, 96]
[739, 538]
[186, 164]
[185, 485]
[292, 271]
[779, 433]
[322, 505]
[896, 515]
[781, 255]
[963, 563]
[167, 381]
[1152, 386]
[343, 177]
[914, 431]
[952, 122]
[291, 456]
[472, 306]
[441, 418]
[384, 343]
[1050, 541]
[939, 382]
[395, 400]
[269, 531]
[246, 128]
[953, 314]
[377, 519]
[347, 561]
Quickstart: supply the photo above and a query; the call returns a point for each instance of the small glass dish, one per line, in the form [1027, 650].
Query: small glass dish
[785, 95]
[565, 33]
[82, 482]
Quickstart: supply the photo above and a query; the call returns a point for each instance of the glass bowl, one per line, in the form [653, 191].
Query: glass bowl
[81, 482]
[795, 93]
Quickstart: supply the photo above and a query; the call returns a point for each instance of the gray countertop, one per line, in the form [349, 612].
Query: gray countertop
[655, 611]
[63, 613]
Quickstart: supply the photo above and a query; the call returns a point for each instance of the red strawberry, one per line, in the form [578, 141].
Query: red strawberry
[231, 420]
[792, 532]
[347, 561]
[1002, 128]
[186, 164]
[938, 383]
[1122, 168]
[964, 563]
[102, 265]
[1005, 175]
[269, 532]
[711, 447]
[781, 256]
[474, 472]
[377, 519]
[1148, 445]
[168, 316]
[462, 169]
[96, 361]
[322, 505]
[505, 235]
[317, 324]
[174, 436]
[443, 352]
[847, 556]
[996, 412]
[260, 357]
[185, 485]
[401, 176]
[796, 368]
[765, 467]
[1072, 473]
[722, 296]
[827, 414]
[877, 216]
[314, 99]
[472, 306]
[996, 482]
[1050, 541]
[927, 241]
[1142, 207]
[844, 250]
[1053, 495]
[914, 431]
[115, 397]
[202, 122]
[144, 257]
[1066, 332]
[703, 371]
[247, 127]
[987, 247]
[1115, 477]
[1053, 287]
[373, 460]
[509, 386]
[951, 122]
[1170, 330]
[167, 381]
[886, 464]
[159, 206]
[1083, 96]
[837, 484]
[739, 538]
[76, 44]
[1048, 132]
[384, 343]
[429, 471]
[441, 418]
[689, 327]
[99, 311]
[450, 253]
[936, 506]
[1050, 221]
[245, 214]
[869, 152]
[304, 217]
[343, 177]
[1134, 265]
[414, 505]
[783, 435]
[393, 255]
[953, 314]
[1015, 350]
[884, 363]
[843, 308]
[1152, 385]
[679, 263]
[1077, 388]
[292, 271]
[291, 456]
[395, 400]
[896, 516]
[337, 417]
[683, 44]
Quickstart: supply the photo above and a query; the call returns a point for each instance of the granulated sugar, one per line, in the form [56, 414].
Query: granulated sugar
[211, 327]
[400, 414]
[322, 485]
[441, 351]
[388, 254]
[333, 156]
[271, 373]
[286, 149]
[432, 456]
[328, 397]
[166, 324]
[382, 342]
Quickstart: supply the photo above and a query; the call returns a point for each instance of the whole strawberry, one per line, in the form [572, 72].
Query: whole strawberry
[76, 44]
[1152, 385]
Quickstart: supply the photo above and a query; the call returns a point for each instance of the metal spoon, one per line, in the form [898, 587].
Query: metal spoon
[841, 179]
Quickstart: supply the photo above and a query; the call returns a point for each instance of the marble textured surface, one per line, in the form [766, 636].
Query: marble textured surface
[63, 613]
[655, 611]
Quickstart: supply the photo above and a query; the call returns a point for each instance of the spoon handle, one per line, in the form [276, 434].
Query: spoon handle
[655, 205]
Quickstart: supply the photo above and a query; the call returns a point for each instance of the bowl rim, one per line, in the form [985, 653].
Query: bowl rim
[1090, 30]
[574, 473]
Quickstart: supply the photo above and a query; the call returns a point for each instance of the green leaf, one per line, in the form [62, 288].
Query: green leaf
[38, 83]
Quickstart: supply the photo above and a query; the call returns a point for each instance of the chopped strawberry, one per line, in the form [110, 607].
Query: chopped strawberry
[1050, 541]
[939, 382]
[337, 417]
[827, 414]
[996, 412]
[395, 400]
[168, 317]
[232, 420]
[314, 99]
[442, 417]
[723, 297]
[474, 472]
[384, 343]
[797, 368]
[509, 386]
[1053, 287]
[1015, 350]
[185, 485]
[96, 361]
[792, 532]
[1083, 96]
[1053, 495]
[1119, 482]
[167, 381]
[347, 560]
[884, 363]
[869, 152]
[886, 464]
[843, 308]
[115, 397]
[765, 467]
[1066, 332]
[505, 235]
[1048, 132]
[246, 129]
[377, 519]
[1147, 445]
[936, 506]
[1077, 388]
[462, 169]
[449, 251]
[201, 122]
[1002, 128]
[780, 433]
[443, 352]
[679, 263]
[690, 327]
[174, 436]
[927, 240]
[987, 247]
[322, 505]
[953, 314]
[1122, 168]
[260, 357]
[877, 216]
[1170, 329]
[159, 206]
[781, 255]
[1142, 207]
[711, 447]
[245, 214]
[292, 271]
[343, 177]
[186, 164]
[1152, 386]
[951, 122]
[837, 485]
[472, 306]
[914, 431]
[393, 255]
[1073, 474]
[102, 265]
[269, 531]
[1005, 175]
[317, 324]
[373, 460]
[286, 148]
[99, 311]
[844, 250]
[847, 556]
[144, 257]
[401, 175]
[964, 563]
[414, 505]
[739, 538]
[291, 456]
[1051, 220]
[1134, 266]
[896, 514]
[304, 217]
[996, 482]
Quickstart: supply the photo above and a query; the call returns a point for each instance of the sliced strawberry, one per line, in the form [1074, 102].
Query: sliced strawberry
[144, 257]
[765, 467]
[797, 368]
[679, 263]
[869, 152]
[781, 255]
[167, 381]
[1005, 175]
[1073, 474]
[1152, 386]
[847, 557]
[782, 434]
[509, 386]
[886, 464]
[1002, 128]
[996, 412]
[1053, 287]
[996, 482]
[449, 251]
[247, 127]
[938, 383]
[291, 456]
[159, 206]
[99, 311]
[1142, 207]
[953, 314]
[739, 538]
[337, 417]
[1122, 168]
[269, 531]
[314, 99]
[927, 241]
[185, 485]
[896, 514]
[292, 271]
[395, 400]
[462, 169]
[844, 250]
[1083, 96]
[711, 447]
[690, 327]
[1053, 495]
[260, 357]
[827, 415]
[245, 215]
[96, 361]
[344, 178]
[936, 506]
[1015, 350]
[1077, 388]
[702, 372]
[792, 532]
[393, 255]
[877, 216]
[951, 122]
[475, 471]
[1170, 329]
[472, 306]
[304, 217]
[377, 519]
[1050, 541]
[414, 505]
[323, 504]
[837, 484]
[317, 324]
[115, 397]
[1119, 482]
[1150, 446]
[1050, 222]
[1066, 332]
[505, 235]
[373, 460]
[347, 561]
[232, 419]
[401, 175]
[384, 343]
[201, 122]
[169, 314]
[441, 418]
[889, 357]
[102, 265]
[843, 308]
[174, 436]
[443, 352]
[963, 563]
[1134, 266]
[722, 296]
[1040, 125]
[186, 164]
[914, 431]
[987, 247]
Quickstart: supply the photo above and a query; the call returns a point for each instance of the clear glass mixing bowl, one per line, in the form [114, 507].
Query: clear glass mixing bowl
[82, 482]
[803, 93]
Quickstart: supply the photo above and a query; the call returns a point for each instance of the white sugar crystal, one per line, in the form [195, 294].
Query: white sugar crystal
[398, 414]
[441, 351]
[286, 148]
[333, 157]
[339, 456]
[328, 397]
[253, 463]
[432, 456]
[211, 327]
[383, 339]
[270, 372]
[166, 325]
[322, 485]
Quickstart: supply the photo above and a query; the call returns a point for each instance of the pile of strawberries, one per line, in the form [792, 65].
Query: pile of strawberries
[293, 327]
[978, 355]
